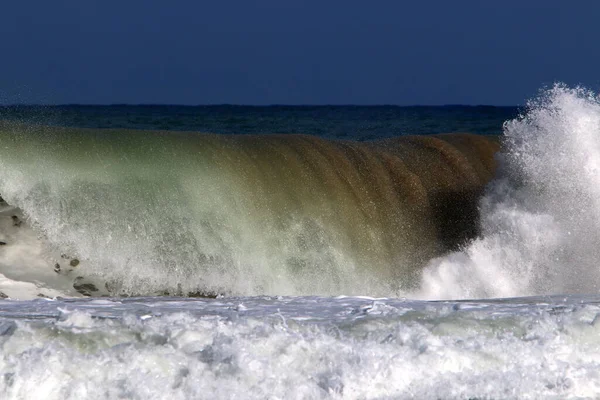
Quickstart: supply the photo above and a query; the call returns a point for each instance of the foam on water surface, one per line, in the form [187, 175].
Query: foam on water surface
[302, 347]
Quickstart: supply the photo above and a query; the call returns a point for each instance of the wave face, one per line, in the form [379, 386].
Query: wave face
[540, 218]
[153, 212]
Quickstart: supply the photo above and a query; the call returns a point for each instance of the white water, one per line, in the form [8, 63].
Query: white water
[541, 215]
[300, 348]
[28, 262]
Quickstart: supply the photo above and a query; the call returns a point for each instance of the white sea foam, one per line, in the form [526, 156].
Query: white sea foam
[294, 348]
[27, 262]
[541, 215]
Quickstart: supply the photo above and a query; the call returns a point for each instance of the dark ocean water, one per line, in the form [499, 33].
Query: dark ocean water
[341, 122]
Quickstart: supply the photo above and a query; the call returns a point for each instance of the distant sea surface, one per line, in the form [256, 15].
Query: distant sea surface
[341, 122]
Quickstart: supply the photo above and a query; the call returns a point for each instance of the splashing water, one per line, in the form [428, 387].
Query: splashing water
[541, 215]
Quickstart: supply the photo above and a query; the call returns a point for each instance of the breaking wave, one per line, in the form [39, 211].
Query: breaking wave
[152, 212]
[146, 212]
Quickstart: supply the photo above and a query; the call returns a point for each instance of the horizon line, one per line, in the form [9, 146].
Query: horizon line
[250, 105]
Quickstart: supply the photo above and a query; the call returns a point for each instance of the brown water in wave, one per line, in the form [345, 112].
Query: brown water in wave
[400, 201]
[244, 213]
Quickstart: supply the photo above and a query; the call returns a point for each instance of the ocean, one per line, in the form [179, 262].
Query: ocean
[301, 252]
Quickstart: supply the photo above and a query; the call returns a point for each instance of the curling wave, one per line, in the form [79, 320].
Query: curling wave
[152, 212]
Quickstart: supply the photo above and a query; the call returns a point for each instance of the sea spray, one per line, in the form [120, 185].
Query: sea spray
[540, 217]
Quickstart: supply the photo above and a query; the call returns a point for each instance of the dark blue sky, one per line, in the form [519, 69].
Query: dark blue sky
[295, 52]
